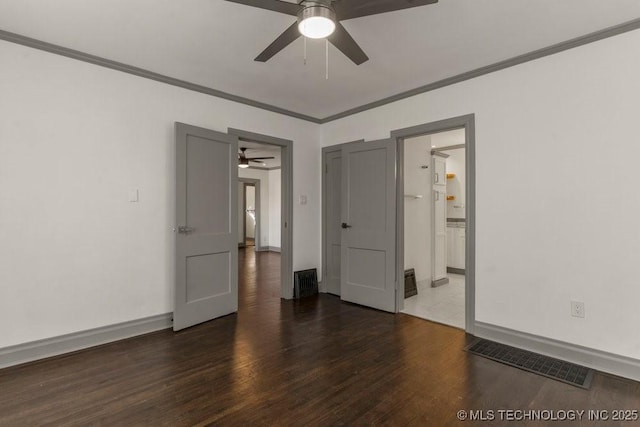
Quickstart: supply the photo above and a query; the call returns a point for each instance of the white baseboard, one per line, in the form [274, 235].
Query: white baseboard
[35, 350]
[622, 366]
[268, 249]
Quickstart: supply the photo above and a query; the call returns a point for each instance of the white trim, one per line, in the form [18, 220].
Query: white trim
[269, 249]
[35, 350]
[622, 366]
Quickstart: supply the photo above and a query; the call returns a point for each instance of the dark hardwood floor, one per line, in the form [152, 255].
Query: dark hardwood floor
[316, 362]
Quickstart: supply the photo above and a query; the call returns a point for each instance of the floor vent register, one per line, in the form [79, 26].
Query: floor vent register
[549, 367]
[305, 283]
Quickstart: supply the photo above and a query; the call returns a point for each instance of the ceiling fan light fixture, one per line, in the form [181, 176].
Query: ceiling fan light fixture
[316, 21]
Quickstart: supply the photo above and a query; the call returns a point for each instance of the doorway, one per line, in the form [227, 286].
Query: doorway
[434, 223]
[207, 218]
[462, 205]
[250, 215]
[249, 212]
[266, 173]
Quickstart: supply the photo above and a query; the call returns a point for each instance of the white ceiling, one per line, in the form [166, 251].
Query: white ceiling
[213, 42]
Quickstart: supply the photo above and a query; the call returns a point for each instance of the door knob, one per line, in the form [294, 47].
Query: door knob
[183, 229]
[345, 225]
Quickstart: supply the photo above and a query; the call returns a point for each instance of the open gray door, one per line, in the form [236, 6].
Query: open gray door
[207, 225]
[369, 224]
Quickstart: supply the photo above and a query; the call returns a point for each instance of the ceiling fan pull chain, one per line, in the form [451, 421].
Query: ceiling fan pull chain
[326, 55]
[305, 50]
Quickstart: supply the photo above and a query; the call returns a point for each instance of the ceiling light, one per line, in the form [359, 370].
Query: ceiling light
[243, 164]
[316, 21]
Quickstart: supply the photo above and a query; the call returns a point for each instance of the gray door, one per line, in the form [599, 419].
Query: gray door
[369, 224]
[207, 220]
[333, 171]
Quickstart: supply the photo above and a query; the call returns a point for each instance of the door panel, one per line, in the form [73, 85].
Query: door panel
[207, 185]
[369, 211]
[207, 274]
[206, 213]
[333, 191]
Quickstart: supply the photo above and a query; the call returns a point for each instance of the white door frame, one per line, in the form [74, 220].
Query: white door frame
[286, 212]
[466, 122]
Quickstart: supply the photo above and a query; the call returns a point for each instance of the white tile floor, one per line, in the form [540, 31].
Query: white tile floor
[444, 304]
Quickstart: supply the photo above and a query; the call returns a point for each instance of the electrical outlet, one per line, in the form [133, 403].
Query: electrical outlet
[577, 309]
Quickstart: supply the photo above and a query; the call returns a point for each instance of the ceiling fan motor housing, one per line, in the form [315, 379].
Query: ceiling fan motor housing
[316, 9]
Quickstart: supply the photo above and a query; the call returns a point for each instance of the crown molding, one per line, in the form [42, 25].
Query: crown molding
[517, 60]
[140, 72]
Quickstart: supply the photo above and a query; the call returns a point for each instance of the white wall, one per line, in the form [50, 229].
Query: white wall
[263, 176]
[557, 163]
[417, 212]
[456, 186]
[74, 139]
[275, 200]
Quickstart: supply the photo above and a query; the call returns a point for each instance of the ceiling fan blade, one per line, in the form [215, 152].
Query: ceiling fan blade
[274, 5]
[347, 45]
[283, 40]
[349, 9]
[258, 162]
[260, 158]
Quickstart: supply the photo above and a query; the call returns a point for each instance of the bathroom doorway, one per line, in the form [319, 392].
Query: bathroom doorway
[434, 173]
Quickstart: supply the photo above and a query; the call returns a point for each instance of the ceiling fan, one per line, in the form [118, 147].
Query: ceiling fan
[243, 160]
[321, 18]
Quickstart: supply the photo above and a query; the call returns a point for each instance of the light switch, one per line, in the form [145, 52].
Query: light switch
[133, 195]
[302, 199]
